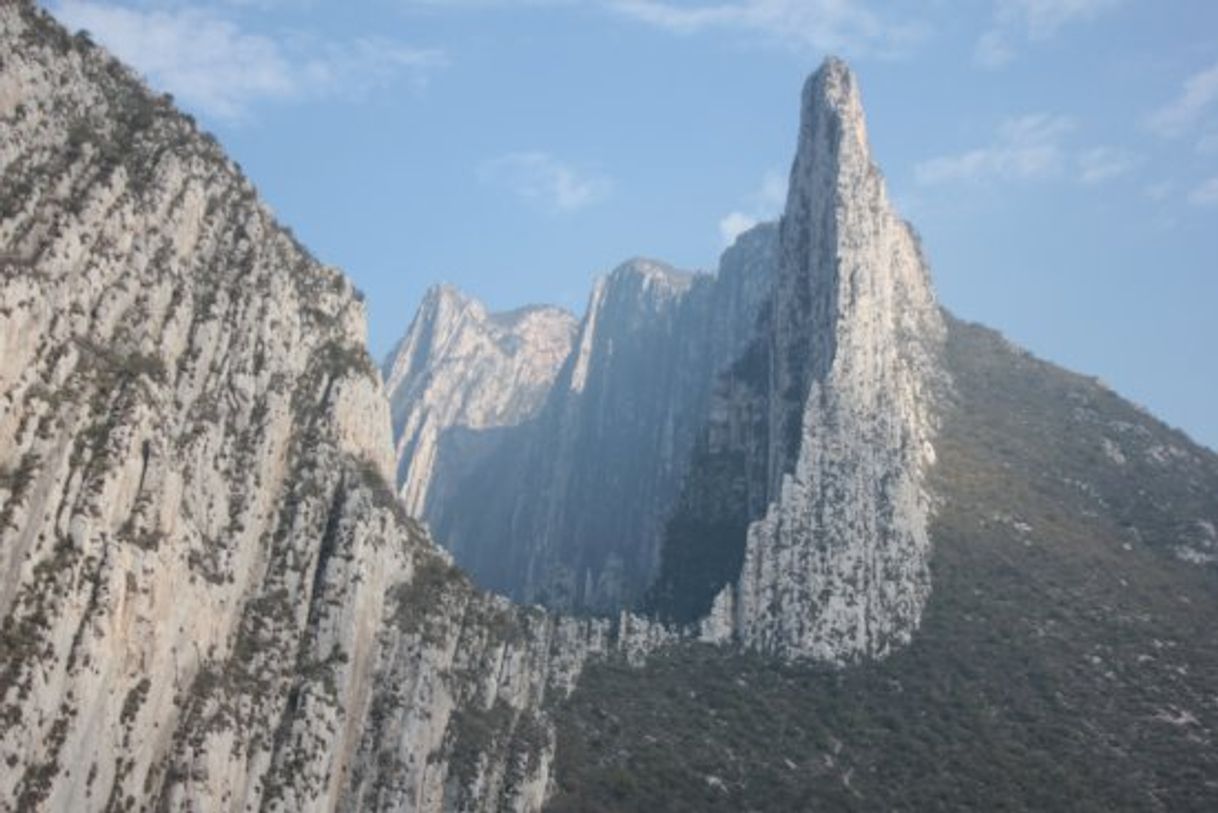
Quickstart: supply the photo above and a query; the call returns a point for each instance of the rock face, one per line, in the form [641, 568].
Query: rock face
[567, 506]
[210, 598]
[461, 376]
[749, 449]
[836, 568]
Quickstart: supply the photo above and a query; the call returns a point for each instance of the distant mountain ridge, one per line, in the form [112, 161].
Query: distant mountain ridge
[565, 502]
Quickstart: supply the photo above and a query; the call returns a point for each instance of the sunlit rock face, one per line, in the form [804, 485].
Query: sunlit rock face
[462, 373]
[806, 511]
[838, 566]
[209, 596]
[562, 499]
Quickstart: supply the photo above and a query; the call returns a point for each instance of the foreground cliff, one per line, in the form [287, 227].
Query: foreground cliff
[210, 598]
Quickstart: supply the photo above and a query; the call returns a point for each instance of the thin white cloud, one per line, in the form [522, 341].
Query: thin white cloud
[543, 180]
[993, 50]
[851, 27]
[1206, 194]
[1025, 148]
[1031, 20]
[1100, 164]
[1190, 108]
[733, 225]
[764, 204]
[1043, 18]
[214, 67]
[1159, 191]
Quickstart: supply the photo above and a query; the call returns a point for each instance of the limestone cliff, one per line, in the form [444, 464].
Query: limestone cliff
[462, 375]
[747, 451]
[826, 426]
[210, 598]
[568, 507]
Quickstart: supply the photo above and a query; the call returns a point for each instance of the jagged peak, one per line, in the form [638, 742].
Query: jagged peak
[648, 268]
[646, 274]
[749, 238]
[833, 143]
[532, 313]
[833, 91]
[446, 296]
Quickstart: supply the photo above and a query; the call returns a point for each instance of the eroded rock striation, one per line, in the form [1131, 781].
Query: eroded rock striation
[210, 598]
[566, 504]
[837, 567]
[463, 376]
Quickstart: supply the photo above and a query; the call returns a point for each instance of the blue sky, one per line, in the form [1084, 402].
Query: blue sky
[1059, 157]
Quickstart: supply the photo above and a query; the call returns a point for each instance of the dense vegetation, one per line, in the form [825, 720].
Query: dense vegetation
[1068, 658]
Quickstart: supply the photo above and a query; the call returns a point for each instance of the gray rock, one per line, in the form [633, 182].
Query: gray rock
[211, 599]
[565, 502]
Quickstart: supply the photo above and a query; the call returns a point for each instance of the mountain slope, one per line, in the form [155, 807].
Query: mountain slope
[1066, 660]
[209, 596]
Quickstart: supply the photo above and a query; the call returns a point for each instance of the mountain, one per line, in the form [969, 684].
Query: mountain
[1066, 658]
[210, 598]
[804, 515]
[746, 451]
[885, 559]
[459, 375]
[924, 569]
[564, 502]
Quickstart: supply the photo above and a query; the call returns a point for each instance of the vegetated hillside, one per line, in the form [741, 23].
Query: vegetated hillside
[1068, 658]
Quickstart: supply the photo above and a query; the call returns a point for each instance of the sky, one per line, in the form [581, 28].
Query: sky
[1058, 157]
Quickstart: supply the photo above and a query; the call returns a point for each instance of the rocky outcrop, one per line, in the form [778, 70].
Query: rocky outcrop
[461, 376]
[838, 567]
[568, 508]
[210, 598]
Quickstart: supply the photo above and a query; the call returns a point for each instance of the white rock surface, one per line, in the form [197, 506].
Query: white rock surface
[460, 367]
[838, 567]
[209, 596]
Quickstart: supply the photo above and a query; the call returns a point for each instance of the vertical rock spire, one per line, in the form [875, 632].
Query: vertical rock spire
[837, 566]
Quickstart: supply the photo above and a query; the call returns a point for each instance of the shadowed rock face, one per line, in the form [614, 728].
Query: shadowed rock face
[564, 502]
[209, 596]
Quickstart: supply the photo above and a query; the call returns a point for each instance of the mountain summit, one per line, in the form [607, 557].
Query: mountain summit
[837, 566]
